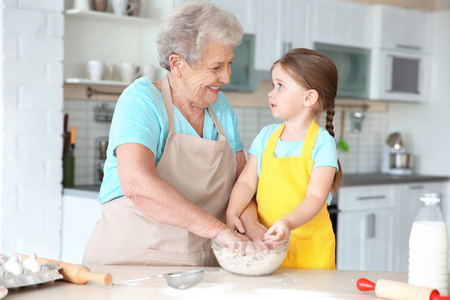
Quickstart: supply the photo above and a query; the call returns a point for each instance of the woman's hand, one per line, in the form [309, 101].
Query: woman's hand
[280, 231]
[253, 229]
[231, 235]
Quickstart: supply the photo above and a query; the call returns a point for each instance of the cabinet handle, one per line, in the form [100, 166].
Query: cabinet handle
[408, 47]
[370, 226]
[287, 46]
[379, 197]
[416, 187]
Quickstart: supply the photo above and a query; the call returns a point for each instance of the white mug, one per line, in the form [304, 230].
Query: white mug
[81, 4]
[149, 71]
[96, 68]
[120, 7]
[129, 72]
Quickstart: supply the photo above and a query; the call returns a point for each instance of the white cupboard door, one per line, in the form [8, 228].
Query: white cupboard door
[379, 230]
[402, 28]
[267, 39]
[342, 23]
[295, 24]
[242, 9]
[365, 240]
[409, 200]
[79, 216]
[349, 241]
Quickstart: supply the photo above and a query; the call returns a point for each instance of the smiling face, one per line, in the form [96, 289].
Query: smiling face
[202, 82]
[287, 96]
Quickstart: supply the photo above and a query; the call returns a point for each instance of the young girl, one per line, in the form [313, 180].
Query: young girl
[293, 166]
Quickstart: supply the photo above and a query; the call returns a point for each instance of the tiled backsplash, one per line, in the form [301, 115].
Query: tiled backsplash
[89, 131]
[364, 156]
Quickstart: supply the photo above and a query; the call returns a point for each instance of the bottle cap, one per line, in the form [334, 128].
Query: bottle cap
[432, 197]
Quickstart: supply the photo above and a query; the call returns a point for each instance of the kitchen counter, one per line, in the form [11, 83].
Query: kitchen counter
[84, 191]
[217, 284]
[356, 179]
[359, 179]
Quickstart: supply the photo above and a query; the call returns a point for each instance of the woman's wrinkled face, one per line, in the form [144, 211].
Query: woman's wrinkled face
[203, 81]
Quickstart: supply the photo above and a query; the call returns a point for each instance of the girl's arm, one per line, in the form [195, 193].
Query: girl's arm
[316, 196]
[242, 193]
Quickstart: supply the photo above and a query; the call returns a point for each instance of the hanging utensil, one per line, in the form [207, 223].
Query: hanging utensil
[177, 280]
[342, 144]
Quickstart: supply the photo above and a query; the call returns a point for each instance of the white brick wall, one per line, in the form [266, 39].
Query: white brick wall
[32, 124]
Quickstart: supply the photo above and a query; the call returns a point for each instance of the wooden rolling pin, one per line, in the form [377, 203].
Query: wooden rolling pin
[396, 290]
[76, 273]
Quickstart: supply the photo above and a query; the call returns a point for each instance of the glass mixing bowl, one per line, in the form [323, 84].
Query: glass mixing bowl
[250, 258]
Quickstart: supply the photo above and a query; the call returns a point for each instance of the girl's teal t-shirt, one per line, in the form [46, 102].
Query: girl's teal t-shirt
[140, 117]
[324, 152]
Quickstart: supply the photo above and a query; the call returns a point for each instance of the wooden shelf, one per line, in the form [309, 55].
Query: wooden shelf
[109, 17]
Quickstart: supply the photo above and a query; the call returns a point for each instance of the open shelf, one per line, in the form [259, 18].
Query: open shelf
[99, 82]
[109, 17]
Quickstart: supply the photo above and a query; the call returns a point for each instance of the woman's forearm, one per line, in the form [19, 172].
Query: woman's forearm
[156, 197]
[164, 203]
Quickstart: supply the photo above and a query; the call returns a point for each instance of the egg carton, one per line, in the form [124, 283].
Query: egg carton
[48, 273]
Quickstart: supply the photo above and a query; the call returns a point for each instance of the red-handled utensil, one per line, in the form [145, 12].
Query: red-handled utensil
[396, 290]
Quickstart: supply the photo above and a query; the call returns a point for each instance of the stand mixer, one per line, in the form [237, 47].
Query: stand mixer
[396, 161]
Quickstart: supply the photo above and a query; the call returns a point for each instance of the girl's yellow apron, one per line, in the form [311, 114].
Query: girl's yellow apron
[282, 187]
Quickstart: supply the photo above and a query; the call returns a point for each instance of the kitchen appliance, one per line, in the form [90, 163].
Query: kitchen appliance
[399, 75]
[353, 65]
[242, 69]
[396, 161]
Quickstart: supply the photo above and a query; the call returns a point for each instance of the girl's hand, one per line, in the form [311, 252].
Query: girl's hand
[235, 224]
[279, 231]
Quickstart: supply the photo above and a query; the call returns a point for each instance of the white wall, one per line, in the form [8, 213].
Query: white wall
[425, 126]
[31, 136]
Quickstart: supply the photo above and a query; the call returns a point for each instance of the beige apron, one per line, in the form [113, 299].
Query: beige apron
[203, 170]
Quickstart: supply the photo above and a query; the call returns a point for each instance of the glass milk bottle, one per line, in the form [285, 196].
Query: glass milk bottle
[428, 246]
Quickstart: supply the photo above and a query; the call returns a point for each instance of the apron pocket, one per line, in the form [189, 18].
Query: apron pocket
[202, 258]
[316, 253]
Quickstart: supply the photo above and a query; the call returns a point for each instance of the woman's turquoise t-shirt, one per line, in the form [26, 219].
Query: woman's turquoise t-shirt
[324, 152]
[140, 117]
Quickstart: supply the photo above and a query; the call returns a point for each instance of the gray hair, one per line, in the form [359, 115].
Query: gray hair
[190, 26]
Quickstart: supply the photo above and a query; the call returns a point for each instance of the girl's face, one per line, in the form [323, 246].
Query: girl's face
[203, 81]
[286, 97]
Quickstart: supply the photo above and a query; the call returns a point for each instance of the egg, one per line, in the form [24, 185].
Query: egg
[13, 266]
[32, 264]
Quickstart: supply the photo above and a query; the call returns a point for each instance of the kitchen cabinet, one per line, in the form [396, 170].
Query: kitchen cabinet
[366, 228]
[294, 24]
[243, 10]
[408, 198]
[267, 40]
[401, 28]
[366, 240]
[374, 221]
[80, 212]
[342, 23]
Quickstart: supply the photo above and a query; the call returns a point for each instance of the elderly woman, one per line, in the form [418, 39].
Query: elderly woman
[174, 150]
